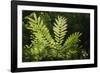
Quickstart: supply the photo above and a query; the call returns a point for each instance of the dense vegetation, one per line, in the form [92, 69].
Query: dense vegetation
[47, 37]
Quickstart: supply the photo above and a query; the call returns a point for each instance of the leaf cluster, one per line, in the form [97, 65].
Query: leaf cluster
[44, 47]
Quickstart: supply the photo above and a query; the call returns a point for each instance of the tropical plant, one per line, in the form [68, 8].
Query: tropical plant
[44, 47]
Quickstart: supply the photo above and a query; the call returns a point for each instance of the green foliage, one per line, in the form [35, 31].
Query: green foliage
[72, 40]
[44, 47]
[60, 29]
[40, 30]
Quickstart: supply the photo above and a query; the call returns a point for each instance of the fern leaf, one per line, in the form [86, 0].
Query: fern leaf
[72, 40]
[40, 29]
[59, 28]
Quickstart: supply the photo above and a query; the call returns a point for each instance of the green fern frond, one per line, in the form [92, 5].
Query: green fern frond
[59, 28]
[40, 30]
[72, 40]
